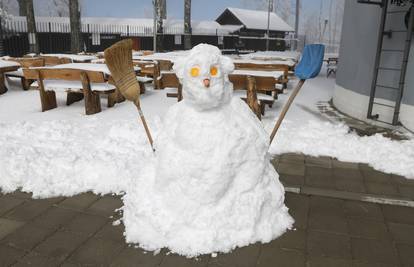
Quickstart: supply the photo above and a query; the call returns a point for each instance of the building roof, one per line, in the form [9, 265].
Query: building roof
[257, 20]
[139, 26]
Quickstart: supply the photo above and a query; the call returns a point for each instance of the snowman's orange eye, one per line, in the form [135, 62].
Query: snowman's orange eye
[213, 71]
[195, 71]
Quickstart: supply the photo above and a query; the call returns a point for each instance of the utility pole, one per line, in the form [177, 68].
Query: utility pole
[297, 24]
[268, 24]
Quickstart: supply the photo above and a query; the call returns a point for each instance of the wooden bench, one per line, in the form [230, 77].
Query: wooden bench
[267, 67]
[25, 62]
[171, 84]
[77, 83]
[53, 61]
[161, 66]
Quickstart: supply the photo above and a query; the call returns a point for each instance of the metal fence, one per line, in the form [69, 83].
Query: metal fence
[54, 37]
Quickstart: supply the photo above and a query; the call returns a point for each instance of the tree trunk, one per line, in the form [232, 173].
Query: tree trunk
[159, 25]
[164, 9]
[75, 26]
[31, 27]
[187, 24]
[22, 7]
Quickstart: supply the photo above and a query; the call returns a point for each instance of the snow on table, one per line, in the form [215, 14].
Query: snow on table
[85, 66]
[8, 64]
[259, 73]
[73, 57]
[273, 55]
[289, 63]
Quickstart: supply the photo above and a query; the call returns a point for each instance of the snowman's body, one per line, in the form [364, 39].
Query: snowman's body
[213, 187]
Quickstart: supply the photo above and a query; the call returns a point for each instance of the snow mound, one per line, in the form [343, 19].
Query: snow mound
[212, 191]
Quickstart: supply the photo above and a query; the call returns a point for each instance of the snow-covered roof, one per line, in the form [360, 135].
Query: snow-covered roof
[137, 26]
[254, 19]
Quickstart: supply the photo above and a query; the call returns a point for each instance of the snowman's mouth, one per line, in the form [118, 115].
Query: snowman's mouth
[206, 83]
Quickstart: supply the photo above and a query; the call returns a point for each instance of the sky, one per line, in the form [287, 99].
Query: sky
[200, 9]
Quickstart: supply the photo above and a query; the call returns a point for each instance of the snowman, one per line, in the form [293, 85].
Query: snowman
[212, 187]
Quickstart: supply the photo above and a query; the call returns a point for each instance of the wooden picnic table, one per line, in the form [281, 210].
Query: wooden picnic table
[6, 66]
[87, 66]
[73, 57]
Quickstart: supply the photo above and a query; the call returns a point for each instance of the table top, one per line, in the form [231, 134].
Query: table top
[289, 63]
[8, 64]
[86, 66]
[73, 57]
[259, 73]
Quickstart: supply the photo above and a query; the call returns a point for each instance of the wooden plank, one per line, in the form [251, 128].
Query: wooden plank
[63, 74]
[92, 99]
[52, 61]
[47, 98]
[169, 80]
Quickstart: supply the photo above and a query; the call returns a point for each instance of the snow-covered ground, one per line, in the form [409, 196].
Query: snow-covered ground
[64, 152]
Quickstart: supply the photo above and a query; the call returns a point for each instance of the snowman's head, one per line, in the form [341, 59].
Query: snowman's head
[203, 74]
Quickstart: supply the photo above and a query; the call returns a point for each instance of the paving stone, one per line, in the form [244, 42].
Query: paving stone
[370, 229]
[136, 257]
[22, 195]
[97, 251]
[8, 202]
[398, 214]
[372, 264]
[358, 209]
[79, 202]
[270, 257]
[105, 206]
[402, 180]
[347, 174]
[60, 245]
[350, 185]
[9, 255]
[327, 223]
[8, 226]
[406, 191]
[326, 206]
[29, 210]
[327, 262]
[291, 169]
[321, 244]
[376, 176]
[292, 239]
[240, 257]
[316, 171]
[406, 254]
[36, 260]
[112, 232]
[382, 189]
[86, 224]
[298, 208]
[174, 260]
[320, 181]
[27, 237]
[292, 180]
[325, 162]
[374, 251]
[402, 233]
[345, 165]
[54, 217]
[292, 158]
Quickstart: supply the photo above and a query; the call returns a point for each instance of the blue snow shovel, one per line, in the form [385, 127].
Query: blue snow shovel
[308, 68]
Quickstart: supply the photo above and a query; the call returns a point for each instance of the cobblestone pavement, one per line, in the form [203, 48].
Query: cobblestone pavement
[78, 231]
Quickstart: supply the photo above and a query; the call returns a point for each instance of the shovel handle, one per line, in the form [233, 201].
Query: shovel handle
[285, 109]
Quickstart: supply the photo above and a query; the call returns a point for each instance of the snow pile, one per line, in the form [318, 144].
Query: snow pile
[213, 188]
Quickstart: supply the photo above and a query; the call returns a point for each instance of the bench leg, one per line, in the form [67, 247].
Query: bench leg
[48, 100]
[112, 99]
[73, 97]
[141, 88]
[3, 87]
[26, 83]
[92, 102]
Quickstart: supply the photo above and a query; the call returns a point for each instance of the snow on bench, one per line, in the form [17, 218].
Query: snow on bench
[63, 85]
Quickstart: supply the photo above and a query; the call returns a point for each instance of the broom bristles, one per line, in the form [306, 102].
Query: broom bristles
[118, 58]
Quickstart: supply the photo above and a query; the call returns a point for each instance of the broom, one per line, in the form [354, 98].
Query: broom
[118, 58]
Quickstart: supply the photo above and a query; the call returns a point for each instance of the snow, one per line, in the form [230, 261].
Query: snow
[64, 85]
[289, 63]
[6, 64]
[62, 152]
[254, 19]
[259, 73]
[73, 57]
[273, 55]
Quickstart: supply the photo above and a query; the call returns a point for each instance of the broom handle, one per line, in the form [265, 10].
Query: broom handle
[285, 109]
[144, 123]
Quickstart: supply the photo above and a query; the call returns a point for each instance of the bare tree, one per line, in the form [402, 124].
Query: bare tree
[60, 8]
[31, 27]
[22, 7]
[75, 26]
[158, 25]
[163, 9]
[187, 24]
